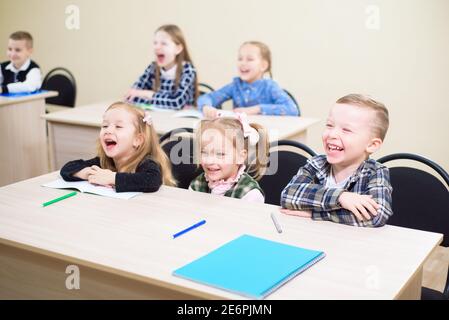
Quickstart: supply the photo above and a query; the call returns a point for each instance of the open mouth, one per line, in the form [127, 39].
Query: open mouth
[110, 143]
[212, 171]
[160, 57]
[333, 147]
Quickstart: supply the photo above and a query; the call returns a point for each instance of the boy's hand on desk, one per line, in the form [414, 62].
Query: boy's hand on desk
[362, 206]
[84, 173]
[102, 177]
[248, 110]
[209, 112]
[299, 213]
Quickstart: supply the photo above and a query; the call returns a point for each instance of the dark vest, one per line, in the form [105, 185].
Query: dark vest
[11, 77]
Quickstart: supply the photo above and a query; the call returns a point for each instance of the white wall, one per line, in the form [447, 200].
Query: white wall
[321, 49]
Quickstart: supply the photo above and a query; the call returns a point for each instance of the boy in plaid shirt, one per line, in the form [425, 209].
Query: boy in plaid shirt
[345, 185]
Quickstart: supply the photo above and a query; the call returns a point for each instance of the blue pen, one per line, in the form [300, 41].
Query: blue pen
[196, 225]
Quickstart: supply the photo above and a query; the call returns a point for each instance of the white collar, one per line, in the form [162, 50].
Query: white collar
[169, 74]
[24, 66]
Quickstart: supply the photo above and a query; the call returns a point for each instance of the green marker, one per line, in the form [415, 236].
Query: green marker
[68, 195]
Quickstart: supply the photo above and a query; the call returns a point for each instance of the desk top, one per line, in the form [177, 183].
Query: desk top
[133, 238]
[20, 99]
[92, 115]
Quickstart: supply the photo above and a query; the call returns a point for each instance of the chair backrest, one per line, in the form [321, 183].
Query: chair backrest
[204, 88]
[61, 80]
[294, 100]
[420, 199]
[285, 159]
[178, 144]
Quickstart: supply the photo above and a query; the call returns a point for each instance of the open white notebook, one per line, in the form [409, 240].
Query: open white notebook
[193, 113]
[86, 187]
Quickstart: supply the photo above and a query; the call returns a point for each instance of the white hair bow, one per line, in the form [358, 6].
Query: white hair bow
[248, 131]
[147, 118]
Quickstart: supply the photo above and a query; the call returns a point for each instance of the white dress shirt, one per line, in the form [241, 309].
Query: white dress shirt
[32, 82]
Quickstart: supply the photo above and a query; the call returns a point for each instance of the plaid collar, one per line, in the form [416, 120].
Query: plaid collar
[323, 169]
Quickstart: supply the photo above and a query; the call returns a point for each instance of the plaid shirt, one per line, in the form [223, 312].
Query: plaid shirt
[307, 191]
[245, 184]
[167, 97]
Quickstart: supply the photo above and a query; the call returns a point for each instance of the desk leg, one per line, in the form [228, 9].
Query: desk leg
[412, 290]
[23, 143]
[28, 275]
[71, 142]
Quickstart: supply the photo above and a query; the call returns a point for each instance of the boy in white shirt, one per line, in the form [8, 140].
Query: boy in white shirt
[20, 73]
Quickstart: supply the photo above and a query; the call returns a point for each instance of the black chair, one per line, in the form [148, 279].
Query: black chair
[178, 144]
[61, 80]
[294, 100]
[421, 201]
[285, 159]
[204, 88]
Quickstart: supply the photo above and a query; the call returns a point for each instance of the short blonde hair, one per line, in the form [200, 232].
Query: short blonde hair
[380, 122]
[22, 35]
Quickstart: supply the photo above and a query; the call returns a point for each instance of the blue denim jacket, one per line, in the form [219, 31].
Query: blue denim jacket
[264, 92]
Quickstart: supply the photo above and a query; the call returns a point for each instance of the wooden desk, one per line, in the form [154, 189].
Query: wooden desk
[73, 133]
[23, 138]
[124, 249]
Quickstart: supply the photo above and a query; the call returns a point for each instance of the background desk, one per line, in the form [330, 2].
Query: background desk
[23, 139]
[73, 133]
[124, 248]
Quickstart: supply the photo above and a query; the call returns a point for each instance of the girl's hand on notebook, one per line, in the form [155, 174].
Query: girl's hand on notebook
[133, 93]
[84, 173]
[299, 213]
[130, 94]
[362, 206]
[248, 110]
[102, 177]
[209, 112]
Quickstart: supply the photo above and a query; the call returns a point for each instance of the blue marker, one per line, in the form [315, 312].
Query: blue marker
[196, 225]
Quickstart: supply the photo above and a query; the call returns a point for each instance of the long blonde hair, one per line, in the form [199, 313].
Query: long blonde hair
[177, 37]
[225, 125]
[149, 148]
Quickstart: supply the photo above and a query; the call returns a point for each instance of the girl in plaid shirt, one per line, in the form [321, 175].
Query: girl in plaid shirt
[344, 185]
[224, 144]
[170, 82]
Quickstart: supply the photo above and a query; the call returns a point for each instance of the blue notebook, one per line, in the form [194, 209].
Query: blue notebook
[21, 94]
[250, 266]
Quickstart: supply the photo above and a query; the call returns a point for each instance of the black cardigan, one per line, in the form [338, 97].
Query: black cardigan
[147, 178]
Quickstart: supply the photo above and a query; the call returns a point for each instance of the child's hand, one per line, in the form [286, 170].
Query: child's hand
[248, 110]
[133, 93]
[209, 112]
[299, 213]
[84, 173]
[102, 177]
[362, 206]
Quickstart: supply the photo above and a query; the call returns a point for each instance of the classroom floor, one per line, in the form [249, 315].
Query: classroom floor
[435, 269]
